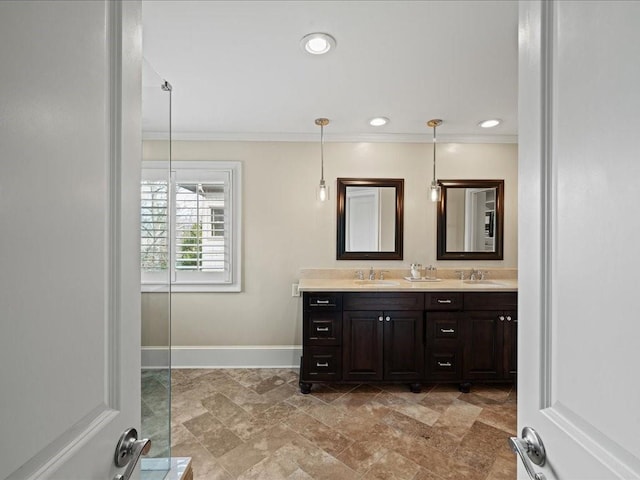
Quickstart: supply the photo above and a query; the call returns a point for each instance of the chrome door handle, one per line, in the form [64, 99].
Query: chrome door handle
[530, 449]
[128, 452]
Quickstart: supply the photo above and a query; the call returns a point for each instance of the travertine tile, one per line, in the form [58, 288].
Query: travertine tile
[392, 466]
[328, 439]
[255, 424]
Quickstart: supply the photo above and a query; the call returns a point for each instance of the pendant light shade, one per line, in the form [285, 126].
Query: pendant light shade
[435, 188]
[323, 190]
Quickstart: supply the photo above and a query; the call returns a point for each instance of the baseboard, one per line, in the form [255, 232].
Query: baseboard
[280, 356]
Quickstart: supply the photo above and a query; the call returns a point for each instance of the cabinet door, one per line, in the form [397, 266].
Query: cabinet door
[483, 351]
[403, 345]
[362, 345]
[510, 358]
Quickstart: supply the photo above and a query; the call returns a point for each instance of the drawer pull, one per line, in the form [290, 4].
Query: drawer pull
[501, 318]
[322, 329]
[444, 301]
[444, 364]
[508, 318]
[322, 302]
[388, 318]
[447, 330]
[380, 318]
[325, 364]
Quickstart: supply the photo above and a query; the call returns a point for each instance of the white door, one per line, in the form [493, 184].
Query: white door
[363, 215]
[69, 189]
[579, 178]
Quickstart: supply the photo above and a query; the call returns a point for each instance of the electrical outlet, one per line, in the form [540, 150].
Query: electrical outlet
[294, 290]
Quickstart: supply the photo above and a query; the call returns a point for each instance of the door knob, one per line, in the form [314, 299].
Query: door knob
[128, 452]
[530, 449]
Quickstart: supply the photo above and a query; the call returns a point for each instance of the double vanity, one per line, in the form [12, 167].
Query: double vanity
[401, 331]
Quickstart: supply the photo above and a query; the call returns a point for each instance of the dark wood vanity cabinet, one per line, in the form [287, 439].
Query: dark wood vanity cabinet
[383, 337]
[383, 345]
[322, 338]
[490, 343]
[368, 337]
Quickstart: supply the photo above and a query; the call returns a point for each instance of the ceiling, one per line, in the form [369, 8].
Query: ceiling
[239, 73]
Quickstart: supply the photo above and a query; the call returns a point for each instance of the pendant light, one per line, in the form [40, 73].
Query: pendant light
[435, 188]
[323, 190]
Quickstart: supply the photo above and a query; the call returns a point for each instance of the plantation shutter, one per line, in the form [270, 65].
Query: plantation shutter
[197, 206]
[154, 228]
[202, 251]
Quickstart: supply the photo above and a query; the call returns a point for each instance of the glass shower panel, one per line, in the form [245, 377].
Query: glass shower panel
[156, 296]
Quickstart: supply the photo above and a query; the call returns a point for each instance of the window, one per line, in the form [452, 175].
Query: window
[201, 214]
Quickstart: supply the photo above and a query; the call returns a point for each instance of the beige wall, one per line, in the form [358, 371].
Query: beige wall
[285, 228]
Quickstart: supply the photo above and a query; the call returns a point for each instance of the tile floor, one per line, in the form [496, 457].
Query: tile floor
[255, 424]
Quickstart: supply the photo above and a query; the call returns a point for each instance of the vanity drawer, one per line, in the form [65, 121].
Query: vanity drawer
[322, 300]
[323, 327]
[444, 364]
[491, 301]
[384, 301]
[445, 329]
[438, 301]
[322, 363]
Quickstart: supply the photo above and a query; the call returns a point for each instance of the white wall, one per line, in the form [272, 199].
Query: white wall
[286, 228]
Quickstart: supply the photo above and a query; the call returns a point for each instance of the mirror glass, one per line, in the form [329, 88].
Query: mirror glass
[370, 219]
[470, 221]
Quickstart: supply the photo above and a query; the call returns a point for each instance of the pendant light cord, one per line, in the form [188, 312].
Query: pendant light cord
[434, 153]
[321, 153]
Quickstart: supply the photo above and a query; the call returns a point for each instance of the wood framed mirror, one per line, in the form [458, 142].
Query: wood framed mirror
[370, 218]
[470, 220]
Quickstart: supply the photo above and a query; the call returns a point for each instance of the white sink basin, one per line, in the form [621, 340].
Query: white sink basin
[377, 283]
[482, 282]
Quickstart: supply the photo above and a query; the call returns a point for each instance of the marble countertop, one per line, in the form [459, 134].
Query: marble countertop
[403, 285]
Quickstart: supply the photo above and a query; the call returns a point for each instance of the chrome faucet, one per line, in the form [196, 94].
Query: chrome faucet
[382, 272]
[359, 275]
[372, 274]
[473, 274]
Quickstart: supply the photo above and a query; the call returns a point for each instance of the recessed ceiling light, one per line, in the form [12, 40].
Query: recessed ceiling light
[318, 43]
[494, 122]
[378, 121]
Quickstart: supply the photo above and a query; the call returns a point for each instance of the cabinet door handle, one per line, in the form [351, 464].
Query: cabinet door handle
[447, 330]
[444, 301]
[388, 318]
[380, 318]
[508, 318]
[501, 318]
[322, 302]
[444, 364]
[322, 329]
[325, 364]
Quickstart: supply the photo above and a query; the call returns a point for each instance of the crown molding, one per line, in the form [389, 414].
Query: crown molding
[333, 138]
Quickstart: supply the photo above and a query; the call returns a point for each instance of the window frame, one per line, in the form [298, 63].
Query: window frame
[204, 171]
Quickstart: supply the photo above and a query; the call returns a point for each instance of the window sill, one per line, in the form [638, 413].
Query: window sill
[190, 288]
